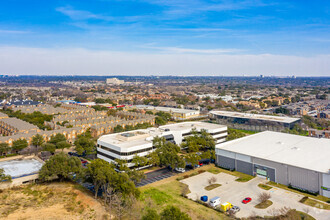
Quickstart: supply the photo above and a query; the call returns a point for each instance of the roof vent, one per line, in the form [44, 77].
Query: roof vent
[279, 142]
[295, 148]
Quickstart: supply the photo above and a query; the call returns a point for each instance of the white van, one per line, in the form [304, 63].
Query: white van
[215, 201]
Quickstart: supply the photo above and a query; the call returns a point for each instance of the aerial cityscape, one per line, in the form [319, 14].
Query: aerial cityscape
[165, 110]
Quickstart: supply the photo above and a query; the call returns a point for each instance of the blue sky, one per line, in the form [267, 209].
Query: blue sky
[277, 32]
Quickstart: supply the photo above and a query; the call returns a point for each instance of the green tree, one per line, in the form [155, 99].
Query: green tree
[20, 144]
[160, 121]
[118, 129]
[4, 148]
[3, 176]
[153, 158]
[172, 212]
[151, 214]
[49, 147]
[62, 145]
[136, 175]
[99, 171]
[234, 134]
[139, 161]
[193, 159]
[85, 143]
[60, 166]
[168, 155]
[57, 138]
[38, 140]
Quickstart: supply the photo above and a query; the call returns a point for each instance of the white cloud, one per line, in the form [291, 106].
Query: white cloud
[14, 60]
[13, 32]
[81, 15]
[192, 50]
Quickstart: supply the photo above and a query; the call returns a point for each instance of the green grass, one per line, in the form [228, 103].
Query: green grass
[317, 197]
[246, 131]
[264, 205]
[160, 194]
[316, 204]
[242, 177]
[305, 216]
[212, 186]
[265, 187]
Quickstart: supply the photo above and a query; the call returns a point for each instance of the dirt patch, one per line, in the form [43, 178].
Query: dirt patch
[50, 201]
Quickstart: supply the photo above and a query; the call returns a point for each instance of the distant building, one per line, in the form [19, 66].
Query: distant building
[324, 114]
[177, 113]
[297, 161]
[254, 122]
[319, 133]
[114, 81]
[126, 145]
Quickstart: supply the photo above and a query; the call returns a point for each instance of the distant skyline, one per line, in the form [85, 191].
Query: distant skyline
[165, 37]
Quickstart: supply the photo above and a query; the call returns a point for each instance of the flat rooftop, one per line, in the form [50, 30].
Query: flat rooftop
[255, 116]
[19, 124]
[166, 109]
[130, 139]
[305, 152]
[21, 167]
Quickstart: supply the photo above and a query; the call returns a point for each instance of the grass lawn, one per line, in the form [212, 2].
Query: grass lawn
[318, 197]
[264, 205]
[305, 216]
[242, 177]
[166, 192]
[247, 131]
[265, 187]
[316, 204]
[212, 186]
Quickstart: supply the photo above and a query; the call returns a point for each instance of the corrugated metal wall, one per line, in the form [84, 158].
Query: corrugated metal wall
[303, 179]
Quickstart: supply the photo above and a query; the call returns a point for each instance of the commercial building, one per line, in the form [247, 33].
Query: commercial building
[177, 113]
[301, 162]
[126, 145]
[253, 122]
[114, 81]
[21, 169]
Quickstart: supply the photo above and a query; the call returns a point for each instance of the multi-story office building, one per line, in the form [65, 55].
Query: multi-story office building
[177, 113]
[253, 122]
[126, 145]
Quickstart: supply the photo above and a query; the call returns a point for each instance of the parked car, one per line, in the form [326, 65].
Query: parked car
[215, 201]
[180, 169]
[204, 198]
[246, 200]
[235, 209]
[226, 206]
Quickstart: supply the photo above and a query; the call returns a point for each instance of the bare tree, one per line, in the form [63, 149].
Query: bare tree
[212, 180]
[184, 190]
[122, 205]
[263, 197]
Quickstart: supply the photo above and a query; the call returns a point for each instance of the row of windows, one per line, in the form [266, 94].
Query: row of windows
[126, 153]
[221, 137]
[219, 132]
[110, 157]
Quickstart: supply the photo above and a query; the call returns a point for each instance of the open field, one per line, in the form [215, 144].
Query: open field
[50, 201]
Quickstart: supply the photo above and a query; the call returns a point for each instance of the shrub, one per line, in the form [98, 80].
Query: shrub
[302, 200]
[263, 197]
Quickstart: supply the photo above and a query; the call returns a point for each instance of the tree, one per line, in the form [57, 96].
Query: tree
[136, 175]
[172, 212]
[263, 197]
[118, 129]
[234, 134]
[153, 158]
[151, 214]
[168, 155]
[3, 176]
[62, 145]
[160, 121]
[139, 161]
[49, 147]
[199, 141]
[60, 166]
[38, 140]
[57, 138]
[212, 180]
[20, 144]
[193, 159]
[4, 148]
[85, 143]
[99, 171]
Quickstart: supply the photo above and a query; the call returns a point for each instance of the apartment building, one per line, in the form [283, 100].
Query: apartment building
[126, 145]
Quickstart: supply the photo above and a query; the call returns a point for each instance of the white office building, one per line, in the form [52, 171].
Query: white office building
[126, 145]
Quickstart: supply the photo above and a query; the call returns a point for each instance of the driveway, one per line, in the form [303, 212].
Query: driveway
[234, 192]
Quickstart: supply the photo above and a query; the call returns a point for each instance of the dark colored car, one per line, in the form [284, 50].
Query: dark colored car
[246, 200]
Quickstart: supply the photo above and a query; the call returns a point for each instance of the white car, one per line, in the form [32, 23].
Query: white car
[235, 209]
[180, 170]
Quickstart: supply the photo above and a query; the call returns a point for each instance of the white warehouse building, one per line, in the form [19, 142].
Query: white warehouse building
[126, 145]
[297, 161]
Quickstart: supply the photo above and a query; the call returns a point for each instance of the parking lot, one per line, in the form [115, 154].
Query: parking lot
[234, 192]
